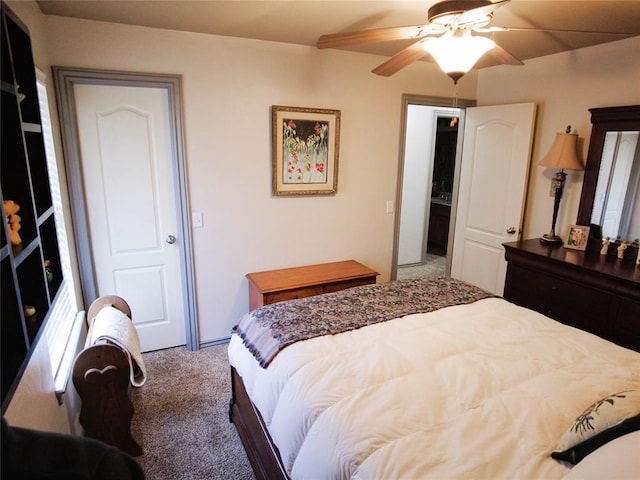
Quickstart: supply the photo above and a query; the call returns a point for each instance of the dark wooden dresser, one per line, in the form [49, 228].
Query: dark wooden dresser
[599, 294]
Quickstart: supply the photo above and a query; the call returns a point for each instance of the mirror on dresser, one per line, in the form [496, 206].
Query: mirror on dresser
[610, 196]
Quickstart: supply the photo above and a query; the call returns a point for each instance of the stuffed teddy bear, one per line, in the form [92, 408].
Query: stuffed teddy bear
[11, 208]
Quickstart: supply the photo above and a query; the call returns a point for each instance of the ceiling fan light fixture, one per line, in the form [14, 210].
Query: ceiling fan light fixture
[457, 53]
[448, 12]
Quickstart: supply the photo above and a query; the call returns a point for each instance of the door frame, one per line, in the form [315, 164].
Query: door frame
[428, 101]
[64, 80]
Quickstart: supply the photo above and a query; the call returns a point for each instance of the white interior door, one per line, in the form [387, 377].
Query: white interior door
[126, 153]
[496, 151]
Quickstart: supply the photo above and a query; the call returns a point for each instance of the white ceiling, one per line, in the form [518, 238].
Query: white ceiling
[303, 21]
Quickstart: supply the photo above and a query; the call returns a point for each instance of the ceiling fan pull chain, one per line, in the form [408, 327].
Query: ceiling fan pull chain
[455, 95]
[454, 119]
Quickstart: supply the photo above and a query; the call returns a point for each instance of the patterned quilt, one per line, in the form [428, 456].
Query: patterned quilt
[267, 330]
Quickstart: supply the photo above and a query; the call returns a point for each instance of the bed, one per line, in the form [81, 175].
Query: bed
[422, 379]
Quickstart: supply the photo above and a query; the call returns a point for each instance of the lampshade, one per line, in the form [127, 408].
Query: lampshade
[456, 53]
[563, 153]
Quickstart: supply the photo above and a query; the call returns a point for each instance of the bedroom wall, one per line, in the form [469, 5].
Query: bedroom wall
[564, 86]
[229, 85]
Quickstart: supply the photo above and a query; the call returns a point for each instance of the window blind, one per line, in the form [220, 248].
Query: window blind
[64, 310]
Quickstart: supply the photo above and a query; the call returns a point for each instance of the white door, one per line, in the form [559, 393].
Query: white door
[126, 150]
[496, 150]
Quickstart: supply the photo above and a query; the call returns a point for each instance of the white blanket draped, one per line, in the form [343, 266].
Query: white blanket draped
[480, 391]
[113, 326]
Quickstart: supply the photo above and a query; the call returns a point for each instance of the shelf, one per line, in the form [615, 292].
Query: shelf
[8, 88]
[12, 336]
[6, 68]
[51, 254]
[23, 68]
[14, 170]
[24, 180]
[38, 171]
[33, 290]
[31, 127]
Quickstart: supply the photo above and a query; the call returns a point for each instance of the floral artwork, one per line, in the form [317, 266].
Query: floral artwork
[305, 151]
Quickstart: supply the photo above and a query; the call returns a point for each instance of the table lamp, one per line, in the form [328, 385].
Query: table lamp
[563, 155]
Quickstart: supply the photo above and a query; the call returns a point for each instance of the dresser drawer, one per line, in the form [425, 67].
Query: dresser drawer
[356, 282]
[626, 324]
[292, 294]
[316, 290]
[558, 298]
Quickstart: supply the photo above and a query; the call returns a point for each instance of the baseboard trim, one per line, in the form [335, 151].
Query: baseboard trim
[213, 343]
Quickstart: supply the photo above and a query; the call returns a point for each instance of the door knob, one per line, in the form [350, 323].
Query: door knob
[511, 230]
[171, 239]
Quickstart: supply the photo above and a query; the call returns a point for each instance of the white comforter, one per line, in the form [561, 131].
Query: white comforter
[481, 391]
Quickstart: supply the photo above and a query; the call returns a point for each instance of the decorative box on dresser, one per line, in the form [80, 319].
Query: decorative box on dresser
[299, 282]
[596, 293]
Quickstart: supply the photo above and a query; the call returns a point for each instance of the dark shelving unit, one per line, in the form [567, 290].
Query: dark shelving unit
[24, 179]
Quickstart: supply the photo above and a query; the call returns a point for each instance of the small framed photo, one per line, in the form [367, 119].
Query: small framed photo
[306, 143]
[577, 238]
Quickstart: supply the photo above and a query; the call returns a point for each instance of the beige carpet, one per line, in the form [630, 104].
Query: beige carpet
[181, 417]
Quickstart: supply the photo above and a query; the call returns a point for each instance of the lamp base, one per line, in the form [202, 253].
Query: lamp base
[551, 239]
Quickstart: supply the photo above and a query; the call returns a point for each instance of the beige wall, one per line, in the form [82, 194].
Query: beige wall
[564, 86]
[229, 85]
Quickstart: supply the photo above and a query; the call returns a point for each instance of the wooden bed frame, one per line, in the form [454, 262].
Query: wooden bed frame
[263, 454]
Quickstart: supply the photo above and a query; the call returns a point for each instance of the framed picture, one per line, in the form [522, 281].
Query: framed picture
[578, 237]
[306, 143]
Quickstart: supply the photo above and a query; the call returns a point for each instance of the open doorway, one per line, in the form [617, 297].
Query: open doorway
[426, 179]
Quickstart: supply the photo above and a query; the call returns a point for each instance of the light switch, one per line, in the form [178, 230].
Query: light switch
[389, 206]
[196, 219]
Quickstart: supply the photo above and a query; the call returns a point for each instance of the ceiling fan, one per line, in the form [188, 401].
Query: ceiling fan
[447, 36]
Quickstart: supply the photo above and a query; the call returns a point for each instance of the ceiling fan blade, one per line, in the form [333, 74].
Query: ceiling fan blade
[401, 59]
[550, 30]
[333, 40]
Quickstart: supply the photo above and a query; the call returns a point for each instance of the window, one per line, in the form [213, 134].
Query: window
[63, 325]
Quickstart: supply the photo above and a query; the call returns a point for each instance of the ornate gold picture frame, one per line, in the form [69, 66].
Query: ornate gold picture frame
[306, 144]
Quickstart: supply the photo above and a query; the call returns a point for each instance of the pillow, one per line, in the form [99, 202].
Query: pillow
[608, 418]
[617, 459]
